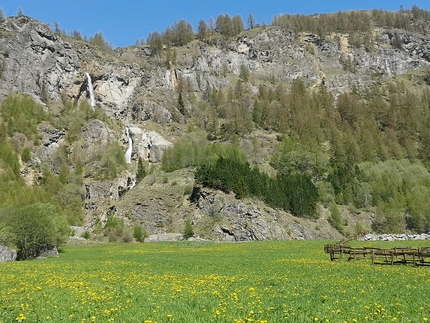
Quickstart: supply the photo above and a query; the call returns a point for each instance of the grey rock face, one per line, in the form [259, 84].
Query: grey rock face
[6, 254]
[33, 57]
[148, 145]
[96, 133]
[244, 221]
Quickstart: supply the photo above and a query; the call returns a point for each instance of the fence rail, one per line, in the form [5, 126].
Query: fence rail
[415, 256]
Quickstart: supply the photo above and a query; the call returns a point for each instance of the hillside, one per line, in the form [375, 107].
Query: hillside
[345, 110]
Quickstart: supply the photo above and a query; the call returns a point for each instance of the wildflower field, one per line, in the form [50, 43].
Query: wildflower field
[283, 281]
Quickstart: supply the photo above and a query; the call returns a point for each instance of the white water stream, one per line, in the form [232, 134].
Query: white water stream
[130, 147]
[91, 91]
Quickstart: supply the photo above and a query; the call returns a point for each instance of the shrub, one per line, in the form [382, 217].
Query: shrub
[6, 235]
[188, 230]
[86, 234]
[36, 227]
[335, 219]
[141, 170]
[140, 233]
[26, 155]
[116, 230]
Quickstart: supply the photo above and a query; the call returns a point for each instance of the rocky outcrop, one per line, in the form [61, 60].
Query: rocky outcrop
[243, 220]
[97, 134]
[148, 145]
[34, 59]
[51, 139]
[7, 254]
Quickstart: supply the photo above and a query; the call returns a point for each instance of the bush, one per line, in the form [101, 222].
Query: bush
[6, 235]
[188, 230]
[141, 170]
[335, 219]
[26, 155]
[36, 227]
[140, 233]
[86, 235]
[116, 230]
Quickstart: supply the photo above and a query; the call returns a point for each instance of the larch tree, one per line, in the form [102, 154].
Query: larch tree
[202, 30]
[251, 21]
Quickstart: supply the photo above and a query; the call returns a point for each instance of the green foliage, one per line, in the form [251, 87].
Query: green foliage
[139, 233]
[26, 154]
[106, 162]
[36, 227]
[9, 159]
[99, 41]
[227, 26]
[188, 230]
[244, 73]
[182, 32]
[86, 235]
[292, 192]
[7, 237]
[116, 230]
[335, 219]
[193, 149]
[401, 191]
[141, 170]
[22, 114]
[74, 117]
[309, 158]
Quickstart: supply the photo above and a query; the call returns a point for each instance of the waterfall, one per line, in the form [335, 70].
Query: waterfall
[90, 89]
[133, 184]
[130, 147]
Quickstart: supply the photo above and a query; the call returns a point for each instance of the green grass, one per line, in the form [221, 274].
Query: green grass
[289, 281]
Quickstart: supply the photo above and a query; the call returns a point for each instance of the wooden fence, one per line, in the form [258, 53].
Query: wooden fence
[415, 256]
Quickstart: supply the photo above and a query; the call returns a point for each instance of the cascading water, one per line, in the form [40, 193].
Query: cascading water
[133, 184]
[90, 89]
[130, 147]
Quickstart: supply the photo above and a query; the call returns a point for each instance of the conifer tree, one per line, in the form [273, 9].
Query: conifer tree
[251, 21]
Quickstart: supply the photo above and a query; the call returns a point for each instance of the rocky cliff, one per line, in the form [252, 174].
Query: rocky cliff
[136, 88]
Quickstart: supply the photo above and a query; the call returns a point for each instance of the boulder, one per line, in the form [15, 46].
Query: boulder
[164, 237]
[7, 254]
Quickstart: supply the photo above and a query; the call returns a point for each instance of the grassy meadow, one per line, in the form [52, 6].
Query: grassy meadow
[283, 281]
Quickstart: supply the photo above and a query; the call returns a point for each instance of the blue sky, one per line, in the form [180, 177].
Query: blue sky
[123, 22]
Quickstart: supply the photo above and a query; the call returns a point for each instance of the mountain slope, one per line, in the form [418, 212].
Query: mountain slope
[264, 89]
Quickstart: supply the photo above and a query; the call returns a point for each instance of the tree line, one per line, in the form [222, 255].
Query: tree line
[341, 144]
[292, 192]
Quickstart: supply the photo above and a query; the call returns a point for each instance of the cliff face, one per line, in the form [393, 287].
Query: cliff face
[133, 84]
[137, 88]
